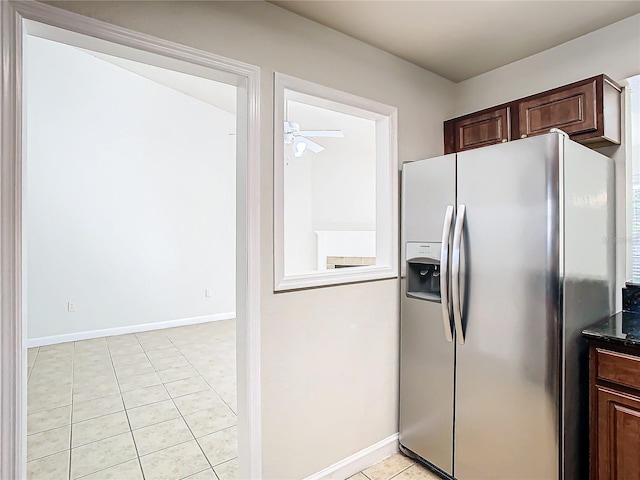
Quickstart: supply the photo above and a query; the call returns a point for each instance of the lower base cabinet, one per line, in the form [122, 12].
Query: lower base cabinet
[615, 413]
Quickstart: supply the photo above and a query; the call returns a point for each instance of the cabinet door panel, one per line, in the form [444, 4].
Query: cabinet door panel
[481, 130]
[572, 110]
[618, 435]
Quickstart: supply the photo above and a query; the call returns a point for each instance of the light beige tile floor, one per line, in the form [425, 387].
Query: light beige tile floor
[396, 467]
[151, 405]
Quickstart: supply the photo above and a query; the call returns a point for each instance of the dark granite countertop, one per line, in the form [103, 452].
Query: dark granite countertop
[622, 328]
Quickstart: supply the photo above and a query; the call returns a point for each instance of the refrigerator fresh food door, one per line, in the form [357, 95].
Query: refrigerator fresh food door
[426, 350]
[589, 286]
[506, 420]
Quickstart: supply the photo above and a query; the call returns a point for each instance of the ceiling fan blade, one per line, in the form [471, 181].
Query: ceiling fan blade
[321, 133]
[313, 146]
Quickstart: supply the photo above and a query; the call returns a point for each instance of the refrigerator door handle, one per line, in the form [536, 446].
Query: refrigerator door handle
[444, 273]
[455, 273]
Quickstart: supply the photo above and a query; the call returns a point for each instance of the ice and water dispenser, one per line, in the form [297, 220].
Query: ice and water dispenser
[423, 270]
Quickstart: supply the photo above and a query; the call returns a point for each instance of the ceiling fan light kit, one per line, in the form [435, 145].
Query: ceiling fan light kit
[299, 143]
[299, 147]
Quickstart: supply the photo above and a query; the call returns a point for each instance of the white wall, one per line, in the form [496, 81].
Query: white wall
[298, 214]
[613, 50]
[329, 355]
[130, 197]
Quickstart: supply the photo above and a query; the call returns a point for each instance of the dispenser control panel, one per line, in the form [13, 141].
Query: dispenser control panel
[423, 250]
[423, 270]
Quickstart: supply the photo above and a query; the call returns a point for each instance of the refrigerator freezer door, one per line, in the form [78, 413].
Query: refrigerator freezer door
[506, 420]
[426, 356]
[428, 186]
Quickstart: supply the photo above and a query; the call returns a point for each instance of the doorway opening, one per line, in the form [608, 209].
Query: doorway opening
[140, 319]
[129, 224]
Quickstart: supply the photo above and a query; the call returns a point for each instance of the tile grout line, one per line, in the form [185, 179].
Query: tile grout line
[133, 438]
[106, 414]
[34, 363]
[101, 439]
[180, 413]
[182, 416]
[113, 371]
[52, 428]
[214, 389]
[177, 409]
[395, 474]
[198, 473]
[73, 371]
[401, 471]
[47, 456]
[103, 469]
[229, 459]
[70, 425]
[207, 382]
[99, 416]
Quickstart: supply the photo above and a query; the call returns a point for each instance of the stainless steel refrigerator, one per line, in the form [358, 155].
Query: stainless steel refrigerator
[508, 251]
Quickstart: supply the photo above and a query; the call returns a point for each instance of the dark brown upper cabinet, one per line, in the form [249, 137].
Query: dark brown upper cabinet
[588, 110]
[480, 129]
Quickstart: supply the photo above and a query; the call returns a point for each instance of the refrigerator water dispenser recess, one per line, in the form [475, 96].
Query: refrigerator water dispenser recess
[423, 270]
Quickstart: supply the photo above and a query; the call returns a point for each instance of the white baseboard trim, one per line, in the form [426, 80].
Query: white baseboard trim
[109, 332]
[359, 461]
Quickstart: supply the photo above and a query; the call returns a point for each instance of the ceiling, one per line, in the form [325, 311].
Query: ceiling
[461, 39]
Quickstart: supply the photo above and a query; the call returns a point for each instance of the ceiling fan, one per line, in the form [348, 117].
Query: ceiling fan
[298, 138]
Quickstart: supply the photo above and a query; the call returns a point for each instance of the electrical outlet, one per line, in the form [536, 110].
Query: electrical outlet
[71, 307]
[207, 292]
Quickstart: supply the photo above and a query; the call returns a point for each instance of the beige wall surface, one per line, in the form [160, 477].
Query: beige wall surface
[612, 50]
[329, 355]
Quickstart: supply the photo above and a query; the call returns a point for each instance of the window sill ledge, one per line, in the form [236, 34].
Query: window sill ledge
[329, 278]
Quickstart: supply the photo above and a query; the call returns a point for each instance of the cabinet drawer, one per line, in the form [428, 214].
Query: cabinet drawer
[482, 129]
[618, 368]
[572, 110]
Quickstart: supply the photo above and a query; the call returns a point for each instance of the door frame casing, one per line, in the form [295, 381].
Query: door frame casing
[13, 361]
